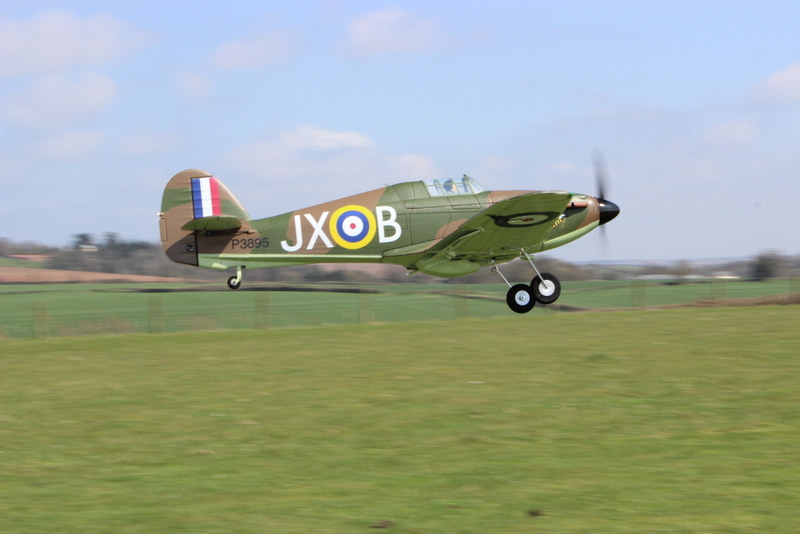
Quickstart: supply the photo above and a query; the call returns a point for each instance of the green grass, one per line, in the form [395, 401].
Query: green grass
[41, 310]
[16, 262]
[76, 309]
[635, 294]
[669, 421]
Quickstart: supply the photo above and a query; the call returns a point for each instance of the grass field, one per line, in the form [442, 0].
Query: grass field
[83, 309]
[622, 422]
[16, 262]
[53, 310]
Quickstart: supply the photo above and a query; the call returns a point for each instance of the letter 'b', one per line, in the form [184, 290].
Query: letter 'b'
[383, 223]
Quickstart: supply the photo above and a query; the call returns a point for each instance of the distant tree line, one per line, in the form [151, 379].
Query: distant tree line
[10, 248]
[111, 254]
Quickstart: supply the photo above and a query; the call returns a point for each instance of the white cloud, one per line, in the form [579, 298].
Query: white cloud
[70, 146]
[255, 52]
[491, 169]
[737, 133]
[308, 137]
[783, 86]
[148, 143]
[562, 167]
[12, 170]
[55, 40]
[409, 167]
[310, 165]
[56, 100]
[392, 31]
[195, 86]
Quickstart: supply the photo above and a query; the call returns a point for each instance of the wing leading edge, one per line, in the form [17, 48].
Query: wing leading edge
[502, 230]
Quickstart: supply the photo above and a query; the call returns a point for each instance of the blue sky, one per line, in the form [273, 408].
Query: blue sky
[696, 106]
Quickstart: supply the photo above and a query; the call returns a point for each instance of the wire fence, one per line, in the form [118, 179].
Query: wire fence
[262, 310]
[83, 311]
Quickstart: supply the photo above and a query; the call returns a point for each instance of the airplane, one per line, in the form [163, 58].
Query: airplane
[442, 228]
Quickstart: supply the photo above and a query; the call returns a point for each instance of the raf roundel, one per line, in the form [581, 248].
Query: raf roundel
[352, 226]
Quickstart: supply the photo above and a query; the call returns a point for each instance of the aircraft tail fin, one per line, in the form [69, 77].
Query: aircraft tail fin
[195, 202]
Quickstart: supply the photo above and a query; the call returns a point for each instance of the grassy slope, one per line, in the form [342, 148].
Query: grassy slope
[678, 421]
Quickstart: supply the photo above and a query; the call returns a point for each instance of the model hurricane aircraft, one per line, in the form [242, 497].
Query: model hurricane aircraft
[441, 228]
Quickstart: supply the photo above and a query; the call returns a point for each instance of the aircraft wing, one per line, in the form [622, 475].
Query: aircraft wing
[506, 227]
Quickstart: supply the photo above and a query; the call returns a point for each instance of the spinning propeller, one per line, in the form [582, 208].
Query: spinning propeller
[608, 210]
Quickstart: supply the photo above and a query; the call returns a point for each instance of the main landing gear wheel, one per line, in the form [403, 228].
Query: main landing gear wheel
[234, 282]
[546, 289]
[520, 299]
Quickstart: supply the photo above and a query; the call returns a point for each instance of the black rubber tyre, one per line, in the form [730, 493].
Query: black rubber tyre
[546, 289]
[233, 284]
[520, 299]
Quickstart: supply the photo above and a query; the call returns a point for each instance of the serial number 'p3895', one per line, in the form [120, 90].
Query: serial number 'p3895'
[250, 242]
[350, 227]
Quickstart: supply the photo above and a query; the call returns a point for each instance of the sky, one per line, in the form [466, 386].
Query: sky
[694, 104]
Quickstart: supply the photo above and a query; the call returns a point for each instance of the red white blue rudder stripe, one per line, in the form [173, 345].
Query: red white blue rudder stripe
[205, 197]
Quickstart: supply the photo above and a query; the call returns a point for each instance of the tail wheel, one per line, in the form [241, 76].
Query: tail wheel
[546, 288]
[520, 298]
[234, 283]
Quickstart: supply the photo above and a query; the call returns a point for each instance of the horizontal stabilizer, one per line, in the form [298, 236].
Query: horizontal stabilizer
[214, 223]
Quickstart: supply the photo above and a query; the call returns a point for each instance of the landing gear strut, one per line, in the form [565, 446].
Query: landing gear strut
[235, 282]
[544, 289]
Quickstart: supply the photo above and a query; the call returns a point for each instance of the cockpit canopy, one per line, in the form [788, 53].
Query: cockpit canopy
[462, 186]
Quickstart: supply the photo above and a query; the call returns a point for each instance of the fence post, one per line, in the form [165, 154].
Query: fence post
[460, 302]
[262, 310]
[40, 326]
[155, 315]
[792, 288]
[721, 289]
[366, 311]
[639, 293]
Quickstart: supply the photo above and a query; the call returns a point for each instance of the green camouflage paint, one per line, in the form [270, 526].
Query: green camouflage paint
[403, 224]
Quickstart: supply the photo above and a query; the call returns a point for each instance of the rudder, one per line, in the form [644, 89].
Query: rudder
[195, 204]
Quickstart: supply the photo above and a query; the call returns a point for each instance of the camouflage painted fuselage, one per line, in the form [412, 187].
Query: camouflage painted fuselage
[441, 232]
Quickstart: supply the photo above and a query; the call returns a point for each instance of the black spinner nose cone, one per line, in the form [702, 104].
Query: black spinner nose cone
[608, 210]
